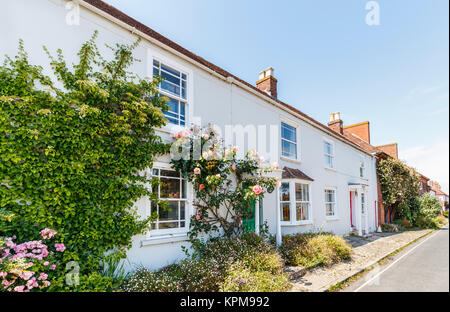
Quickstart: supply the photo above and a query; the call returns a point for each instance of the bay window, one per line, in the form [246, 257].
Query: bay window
[295, 202]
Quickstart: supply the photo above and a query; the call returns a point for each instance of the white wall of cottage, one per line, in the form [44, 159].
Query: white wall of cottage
[43, 22]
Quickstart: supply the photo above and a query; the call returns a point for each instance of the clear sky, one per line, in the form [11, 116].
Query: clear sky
[327, 59]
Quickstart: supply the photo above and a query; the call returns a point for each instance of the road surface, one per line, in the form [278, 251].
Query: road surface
[422, 267]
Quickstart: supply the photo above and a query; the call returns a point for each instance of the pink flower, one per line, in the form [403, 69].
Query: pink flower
[19, 288]
[46, 283]
[257, 189]
[202, 186]
[233, 166]
[197, 171]
[262, 160]
[42, 277]
[3, 274]
[275, 165]
[206, 137]
[60, 247]
[218, 176]
[48, 233]
[197, 217]
[53, 267]
[235, 149]
[46, 263]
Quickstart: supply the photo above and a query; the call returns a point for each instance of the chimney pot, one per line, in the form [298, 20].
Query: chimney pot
[336, 124]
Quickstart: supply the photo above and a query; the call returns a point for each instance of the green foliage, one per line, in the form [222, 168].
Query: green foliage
[225, 187]
[244, 263]
[430, 209]
[72, 151]
[90, 282]
[446, 214]
[310, 250]
[399, 187]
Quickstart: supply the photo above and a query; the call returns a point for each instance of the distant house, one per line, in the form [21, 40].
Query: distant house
[436, 190]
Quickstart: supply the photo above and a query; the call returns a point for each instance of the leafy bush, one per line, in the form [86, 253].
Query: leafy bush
[71, 151]
[310, 250]
[390, 228]
[446, 214]
[431, 222]
[29, 266]
[430, 208]
[233, 264]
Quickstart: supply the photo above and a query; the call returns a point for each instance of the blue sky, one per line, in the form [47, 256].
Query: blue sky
[326, 59]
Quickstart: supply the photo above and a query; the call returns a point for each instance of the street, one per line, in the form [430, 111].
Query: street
[422, 267]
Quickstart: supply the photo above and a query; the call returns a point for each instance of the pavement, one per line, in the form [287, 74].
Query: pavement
[421, 267]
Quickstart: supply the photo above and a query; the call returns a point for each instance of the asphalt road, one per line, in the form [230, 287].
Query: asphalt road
[422, 267]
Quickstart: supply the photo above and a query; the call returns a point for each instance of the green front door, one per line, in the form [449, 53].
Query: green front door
[248, 223]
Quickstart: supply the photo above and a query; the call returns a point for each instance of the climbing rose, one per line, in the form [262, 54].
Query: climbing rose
[197, 171]
[233, 166]
[202, 186]
[235, 149]
[197, 217]
[257, 189]
[275, 165]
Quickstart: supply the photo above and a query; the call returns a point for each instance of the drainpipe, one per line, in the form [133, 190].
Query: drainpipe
[278, 237]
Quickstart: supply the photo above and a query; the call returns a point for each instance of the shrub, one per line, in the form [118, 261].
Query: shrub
[245, 263]
[430, 208]
[390, 228]
[311, 250]
[405, 223]
[446, 214]
[431, 222]
[29, 266]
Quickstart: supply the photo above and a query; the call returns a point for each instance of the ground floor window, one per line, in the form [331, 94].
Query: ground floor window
[330, 202]
[295, 202]
[172, 189]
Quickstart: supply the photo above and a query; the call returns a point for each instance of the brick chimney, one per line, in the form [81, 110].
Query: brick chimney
[390, 149]
[361, 130]
[336, 123]
[267, 82]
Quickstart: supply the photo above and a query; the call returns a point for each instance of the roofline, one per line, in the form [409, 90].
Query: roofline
[386, 145]
[358, 124]
[135, 27]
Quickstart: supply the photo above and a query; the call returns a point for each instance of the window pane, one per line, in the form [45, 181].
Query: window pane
[289, 149]
[182, 210]
[285, 192]
[170, 213]
[285, 212]
[328, 161]
[170, 78]
[329, 209]
[302, 211]
[301, 192]
[170, 225]
[169, 173]
[288, 132]
[170, 70]
[328, 148]
[169, 188]
[166, 86]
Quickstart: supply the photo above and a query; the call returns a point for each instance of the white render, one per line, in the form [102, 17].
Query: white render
[214, 99]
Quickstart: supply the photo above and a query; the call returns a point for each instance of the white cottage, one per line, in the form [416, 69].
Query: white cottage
[328, 182]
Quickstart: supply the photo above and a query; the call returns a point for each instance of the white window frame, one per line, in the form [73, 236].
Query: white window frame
[335, 210]
[362, 169]
[332, 156]
[363, 203]
[153, 55]
[188, 207]
[296, 126]
[293, 203]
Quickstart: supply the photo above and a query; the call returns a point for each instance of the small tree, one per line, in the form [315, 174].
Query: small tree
[72, 151]
[399, 187]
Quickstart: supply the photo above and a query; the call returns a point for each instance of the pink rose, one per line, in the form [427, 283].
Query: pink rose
[197, 171]
[235, 149]
[46, 263]
[53, 267]
[257, 189]
[197, 217]
[202, 186]
[233, 166]
[19, 288]
[275, 165]
[206, 137]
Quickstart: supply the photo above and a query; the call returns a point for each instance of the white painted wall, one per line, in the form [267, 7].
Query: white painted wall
[42, 22]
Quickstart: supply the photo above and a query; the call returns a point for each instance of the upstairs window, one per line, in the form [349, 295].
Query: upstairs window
[362, 169]
[330, 203]
[288, 141]
[173, 86]
[173, 190]
[328, 150]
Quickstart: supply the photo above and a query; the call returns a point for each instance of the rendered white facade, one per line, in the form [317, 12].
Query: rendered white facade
[210, 99]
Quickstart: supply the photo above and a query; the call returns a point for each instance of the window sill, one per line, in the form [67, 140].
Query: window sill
[330, 169]
[295, 161]
[297, 223]
[332, 218]
[164, 239]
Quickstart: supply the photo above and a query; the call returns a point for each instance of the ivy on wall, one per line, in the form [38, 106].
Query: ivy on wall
[72, 149]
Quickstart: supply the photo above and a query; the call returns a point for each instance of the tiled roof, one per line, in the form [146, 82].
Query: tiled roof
[114, 12]
[290, 173]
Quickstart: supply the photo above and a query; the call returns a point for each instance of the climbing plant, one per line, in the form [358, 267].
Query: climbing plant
[399, 187]
[225, 187]
[73, 147]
